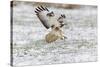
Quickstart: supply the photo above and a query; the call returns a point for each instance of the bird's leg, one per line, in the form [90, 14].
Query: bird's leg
[63, 37]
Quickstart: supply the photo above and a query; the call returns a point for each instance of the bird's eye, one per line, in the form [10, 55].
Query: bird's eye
[51, 14]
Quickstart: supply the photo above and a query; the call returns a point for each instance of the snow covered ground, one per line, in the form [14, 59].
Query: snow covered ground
[30, 48]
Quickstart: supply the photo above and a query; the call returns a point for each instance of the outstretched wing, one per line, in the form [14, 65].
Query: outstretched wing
[43, 14]
[61, 20]
[48, 18]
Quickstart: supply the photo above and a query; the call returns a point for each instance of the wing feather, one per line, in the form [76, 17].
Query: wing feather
[48, 18]
[43, 21]
[41, 13]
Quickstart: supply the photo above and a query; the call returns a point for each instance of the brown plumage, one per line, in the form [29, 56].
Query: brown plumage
[55, 34]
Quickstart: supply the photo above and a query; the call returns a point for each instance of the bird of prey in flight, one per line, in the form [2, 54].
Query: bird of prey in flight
[50, 20]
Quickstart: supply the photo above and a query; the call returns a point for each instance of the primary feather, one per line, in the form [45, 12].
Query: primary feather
[48, 17]
[42, 13]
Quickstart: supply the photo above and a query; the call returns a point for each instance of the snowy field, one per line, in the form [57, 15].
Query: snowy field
[30, 48]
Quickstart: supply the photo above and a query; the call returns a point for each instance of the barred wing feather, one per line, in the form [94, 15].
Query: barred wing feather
[42, 13]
